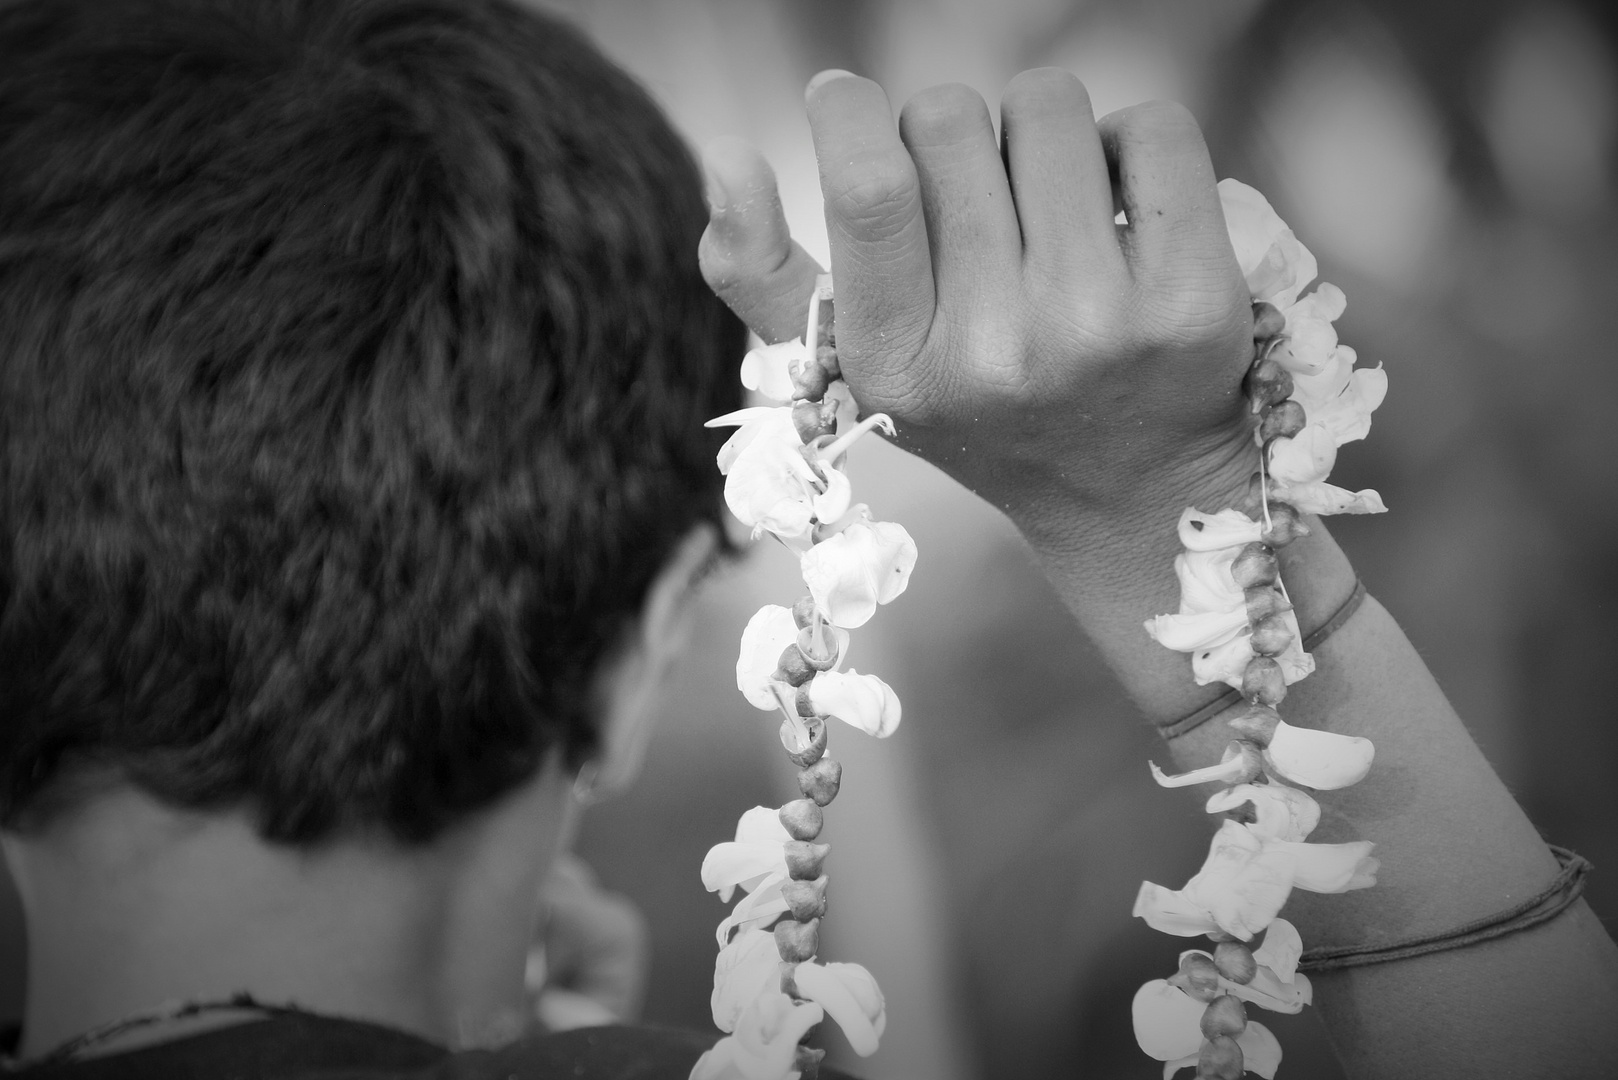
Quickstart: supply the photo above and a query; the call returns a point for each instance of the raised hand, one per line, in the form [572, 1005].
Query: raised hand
[987, 301]
[1082, 376]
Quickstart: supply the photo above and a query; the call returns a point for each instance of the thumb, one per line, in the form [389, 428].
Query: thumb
[748, 257]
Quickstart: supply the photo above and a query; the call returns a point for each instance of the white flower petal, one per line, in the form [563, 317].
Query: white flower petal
[770, 485]
[1188, 633]
[1206, 583]
[1284, 813]
[1225, 663]
[755, 910]
[730, 864]
[1243, 882]
[1261, 1052]
[746, 968]
[867, 564]
[1331, 868]
[1348, 415]
[833, 503]
[761, 825]
[1167, 1021]
[751, 422]
[1277, 267]
[768, 633]
[1306, 457]
[767, 1035]
[767, 368]
[1310, 338]
[1295, 663]
[1167, 912]
[864, 701]
[1322, 760]
[1269, 992]
[850, 996]
[1281, 949]
[1321, 498]
[1213, 532]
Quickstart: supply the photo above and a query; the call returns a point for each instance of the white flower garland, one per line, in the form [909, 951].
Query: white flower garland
[1237, 623]
[783, 476]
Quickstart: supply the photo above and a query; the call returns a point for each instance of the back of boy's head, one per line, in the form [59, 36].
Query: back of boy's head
[353, 360]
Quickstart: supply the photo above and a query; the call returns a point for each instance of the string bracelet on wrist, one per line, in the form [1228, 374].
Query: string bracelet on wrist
[1231, 697]
[1563, 890]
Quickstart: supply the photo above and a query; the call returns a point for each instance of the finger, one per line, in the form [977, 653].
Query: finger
[747, 255]
[971, 223]
[1166, 183]
[1059, 176]
[884, 277]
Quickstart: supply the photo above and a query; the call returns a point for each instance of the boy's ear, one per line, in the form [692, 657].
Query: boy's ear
[633, 680]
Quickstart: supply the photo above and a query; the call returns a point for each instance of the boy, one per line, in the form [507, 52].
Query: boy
[355, 365]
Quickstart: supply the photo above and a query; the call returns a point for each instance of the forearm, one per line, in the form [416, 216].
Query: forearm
[1454, 845]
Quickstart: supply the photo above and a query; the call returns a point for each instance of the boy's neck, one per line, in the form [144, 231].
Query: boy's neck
[132, 905]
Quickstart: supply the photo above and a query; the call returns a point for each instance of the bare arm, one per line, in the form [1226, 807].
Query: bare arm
[1086, 380]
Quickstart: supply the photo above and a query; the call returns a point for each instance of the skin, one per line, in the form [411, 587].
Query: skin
[1085, 378]
[131, 904]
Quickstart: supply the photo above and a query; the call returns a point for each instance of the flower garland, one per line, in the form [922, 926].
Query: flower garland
[784, 477]
[1238, 625]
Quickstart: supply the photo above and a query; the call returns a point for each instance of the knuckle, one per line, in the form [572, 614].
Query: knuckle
[874, 198]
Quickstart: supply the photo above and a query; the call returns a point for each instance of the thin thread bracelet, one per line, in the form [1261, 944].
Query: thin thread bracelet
[1557, 898]
[1233, 696]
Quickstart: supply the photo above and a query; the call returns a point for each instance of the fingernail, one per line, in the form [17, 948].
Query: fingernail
[825, 77]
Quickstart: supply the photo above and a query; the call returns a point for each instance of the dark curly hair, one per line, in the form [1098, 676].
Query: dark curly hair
[353, 362]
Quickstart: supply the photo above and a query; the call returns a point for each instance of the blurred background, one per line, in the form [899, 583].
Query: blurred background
[1452, 166]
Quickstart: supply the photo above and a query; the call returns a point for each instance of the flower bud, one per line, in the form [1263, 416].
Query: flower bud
[1216, 936]
[1235, 962]
[804, 756]
[1225, 1015]
[803, 612]
[804, 859]
[1262, 602]
[826, 357]
[805, 899]
[825, 656]
[821, 780]
[1256, 723]
[1279, 421]
[814, 419]
[1271, 635]
[1197, 976]
[802, 819]
[794, 670]
[1220, 1059]
[1286, 525]
[1267, 383]
[809, 380]
[1255, 565]
[1263, 683]
[1252, 502]
[1267, 321]
[797, 941]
